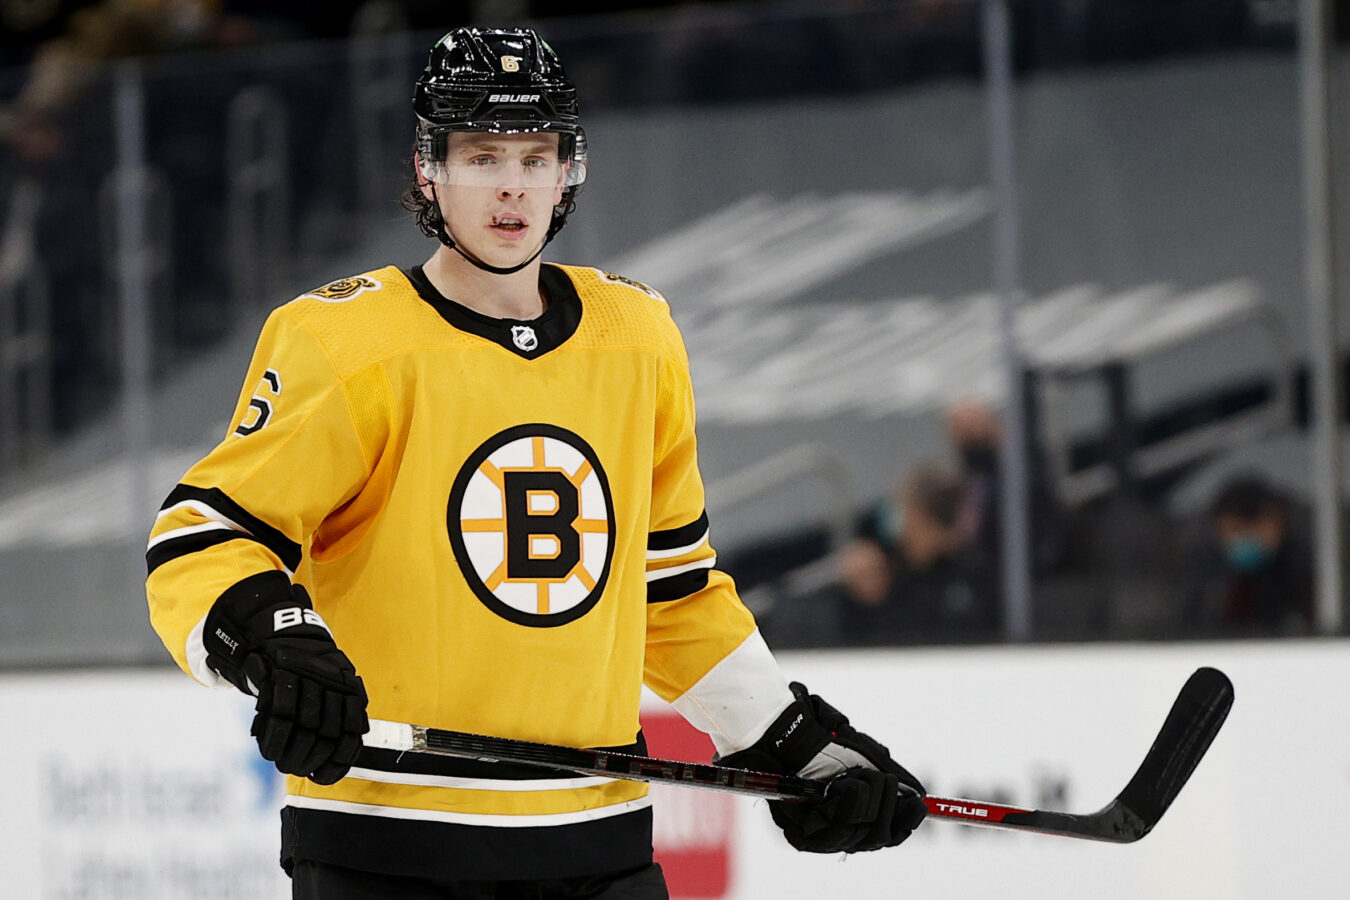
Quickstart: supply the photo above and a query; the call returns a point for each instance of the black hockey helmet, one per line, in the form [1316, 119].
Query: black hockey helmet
[504, 81]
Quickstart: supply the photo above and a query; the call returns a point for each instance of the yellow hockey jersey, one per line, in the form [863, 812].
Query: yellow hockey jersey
[503, 524]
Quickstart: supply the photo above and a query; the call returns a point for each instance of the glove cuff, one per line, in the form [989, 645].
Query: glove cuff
[251, 611]
[792, 741]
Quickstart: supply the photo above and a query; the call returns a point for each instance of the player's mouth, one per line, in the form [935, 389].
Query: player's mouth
[509, 226]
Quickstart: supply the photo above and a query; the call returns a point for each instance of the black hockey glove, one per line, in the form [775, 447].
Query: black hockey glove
[264, 637]
[870, 802]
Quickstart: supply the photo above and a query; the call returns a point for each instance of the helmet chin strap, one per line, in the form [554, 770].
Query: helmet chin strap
[443, 234]
[448, 241]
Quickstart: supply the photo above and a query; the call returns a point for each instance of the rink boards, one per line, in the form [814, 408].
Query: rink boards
[131, 784]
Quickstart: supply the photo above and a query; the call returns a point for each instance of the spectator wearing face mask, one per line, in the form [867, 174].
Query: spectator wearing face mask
[913, 574]
[1253, 569]
[976, 435]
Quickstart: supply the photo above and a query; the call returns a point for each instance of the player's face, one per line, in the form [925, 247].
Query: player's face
[498, 192]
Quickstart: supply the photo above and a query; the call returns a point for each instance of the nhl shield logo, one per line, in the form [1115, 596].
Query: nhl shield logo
[523, 336]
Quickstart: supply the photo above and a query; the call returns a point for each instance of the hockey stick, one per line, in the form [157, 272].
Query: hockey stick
[1190, 727]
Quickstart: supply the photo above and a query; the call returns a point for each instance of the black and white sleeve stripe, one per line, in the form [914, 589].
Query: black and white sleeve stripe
[226, 520]
[662, 587]
[674, 582]
[678, 541]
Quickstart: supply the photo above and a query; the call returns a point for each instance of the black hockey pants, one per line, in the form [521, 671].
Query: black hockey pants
[320, 881]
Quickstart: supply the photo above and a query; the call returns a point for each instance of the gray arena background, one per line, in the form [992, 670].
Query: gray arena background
[828, 257]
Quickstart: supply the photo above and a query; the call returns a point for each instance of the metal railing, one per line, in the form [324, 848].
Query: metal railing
[258, 201]
[1131, 460]
[25, 346]
[790, 470]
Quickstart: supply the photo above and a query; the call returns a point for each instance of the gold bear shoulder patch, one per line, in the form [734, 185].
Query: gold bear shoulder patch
[343, 289]
[633, 283]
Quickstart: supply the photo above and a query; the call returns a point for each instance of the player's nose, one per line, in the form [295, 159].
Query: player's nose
[512, 182]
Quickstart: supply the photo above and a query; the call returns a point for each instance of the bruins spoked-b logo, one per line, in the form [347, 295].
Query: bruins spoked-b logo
[531, 522]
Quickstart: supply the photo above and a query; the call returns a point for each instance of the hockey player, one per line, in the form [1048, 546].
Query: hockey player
[467, 496]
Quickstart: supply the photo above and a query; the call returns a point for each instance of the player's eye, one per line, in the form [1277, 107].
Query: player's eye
[482, 160]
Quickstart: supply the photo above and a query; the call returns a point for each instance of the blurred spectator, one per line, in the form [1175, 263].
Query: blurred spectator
[976, 435]
[27, 24]
[65, 66]
[925, 565]
[912, 575]
[1253, 563]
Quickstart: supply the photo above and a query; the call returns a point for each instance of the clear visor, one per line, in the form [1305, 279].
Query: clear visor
[520, 159]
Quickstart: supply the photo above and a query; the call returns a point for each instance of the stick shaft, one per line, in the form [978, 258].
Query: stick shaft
[1191, 725]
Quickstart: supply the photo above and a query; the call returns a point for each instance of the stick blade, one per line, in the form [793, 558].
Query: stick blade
[1191, 726]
